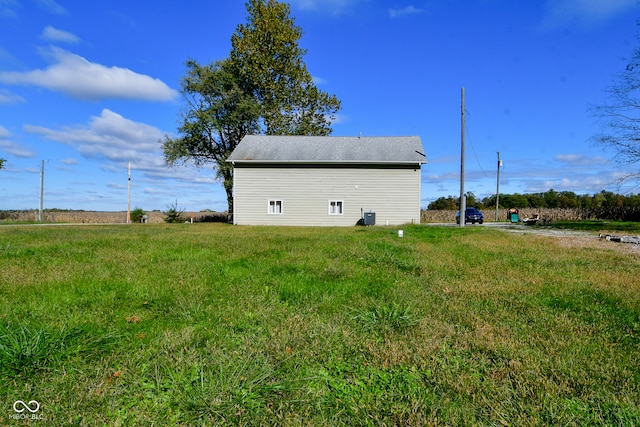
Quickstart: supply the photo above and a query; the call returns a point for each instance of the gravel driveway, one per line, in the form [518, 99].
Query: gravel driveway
[565, 238]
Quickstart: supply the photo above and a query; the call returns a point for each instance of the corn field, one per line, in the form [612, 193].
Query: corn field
[546, 215]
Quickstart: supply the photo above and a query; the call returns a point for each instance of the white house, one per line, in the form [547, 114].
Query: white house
[327, 180]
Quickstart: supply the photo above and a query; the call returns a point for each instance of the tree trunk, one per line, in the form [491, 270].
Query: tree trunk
[230, 203]
[227, 177]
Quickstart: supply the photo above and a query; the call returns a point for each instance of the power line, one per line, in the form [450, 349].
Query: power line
[474, 151]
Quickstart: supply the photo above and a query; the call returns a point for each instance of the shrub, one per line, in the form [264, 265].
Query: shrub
[137, 214]
[174, 213]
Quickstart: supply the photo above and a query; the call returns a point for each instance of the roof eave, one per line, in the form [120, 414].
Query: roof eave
[329, 162]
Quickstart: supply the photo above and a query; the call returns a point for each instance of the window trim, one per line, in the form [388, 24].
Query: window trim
[335, 203]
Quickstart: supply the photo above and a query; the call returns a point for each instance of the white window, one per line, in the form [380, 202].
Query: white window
[335, 207]
[275, 207]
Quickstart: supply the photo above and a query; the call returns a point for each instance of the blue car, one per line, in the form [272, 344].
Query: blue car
[471, 215]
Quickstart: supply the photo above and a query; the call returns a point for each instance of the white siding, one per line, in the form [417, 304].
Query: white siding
[392, 193]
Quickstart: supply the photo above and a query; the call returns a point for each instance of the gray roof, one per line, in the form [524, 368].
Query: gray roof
[329, 149]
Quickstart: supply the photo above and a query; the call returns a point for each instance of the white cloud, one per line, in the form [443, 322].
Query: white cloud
[11, 147]
[584, 13]
[52, 6]
[8, 7]
[338, 118]
[4, 132]
[318, 80]
[116, 186]
[7, 97]
[75, 76]
[8, 60]
[331, 6]
[409, 10]
[116, 140]
[108, 136]
[581, 160]
[55, 35]
[579, 184]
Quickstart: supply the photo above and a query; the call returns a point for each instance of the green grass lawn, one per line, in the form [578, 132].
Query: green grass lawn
[212, 324]
[620, 227]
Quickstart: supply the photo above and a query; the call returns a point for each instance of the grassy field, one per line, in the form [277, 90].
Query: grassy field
[212, 324]
[619, 227]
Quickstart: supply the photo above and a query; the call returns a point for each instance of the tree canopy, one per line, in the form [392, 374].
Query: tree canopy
[548, 199]
[263, 87]
[269, 61]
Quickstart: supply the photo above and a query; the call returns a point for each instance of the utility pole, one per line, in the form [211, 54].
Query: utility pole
[129, 197]
[463, 202]
[498, 186]
[41, 192]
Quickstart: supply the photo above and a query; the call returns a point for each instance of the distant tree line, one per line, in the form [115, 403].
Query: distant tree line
[549, 199]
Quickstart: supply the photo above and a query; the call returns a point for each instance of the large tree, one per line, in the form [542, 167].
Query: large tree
[262, 87]
[2, 163]
[620, 116]
[217, 115]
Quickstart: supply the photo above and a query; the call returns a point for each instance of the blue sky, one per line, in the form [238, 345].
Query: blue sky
[89, 86]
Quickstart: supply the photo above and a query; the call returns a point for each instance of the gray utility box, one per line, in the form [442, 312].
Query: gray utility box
[369, 218]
